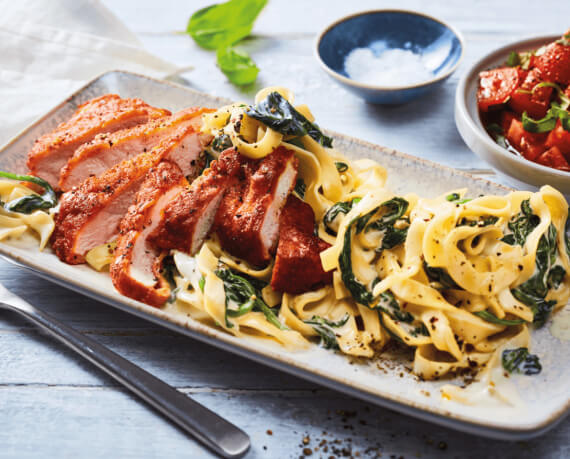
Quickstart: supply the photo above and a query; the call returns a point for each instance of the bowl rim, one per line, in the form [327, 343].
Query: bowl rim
[356, 83]
[461, 106]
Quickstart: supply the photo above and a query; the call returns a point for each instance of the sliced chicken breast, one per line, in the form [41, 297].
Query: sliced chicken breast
[136, 267]
[187, 219]
[106, 150]
[105, 114]
[89, 215]
[249, 230]
[298, 267]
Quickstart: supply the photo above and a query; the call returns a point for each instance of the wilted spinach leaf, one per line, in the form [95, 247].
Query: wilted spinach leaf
[27, 204]
[300, 188]
[277, 113]
[245, 296]
[325, 329]
[521, 361]
[389, 304]
[441, 276]
[489, 317]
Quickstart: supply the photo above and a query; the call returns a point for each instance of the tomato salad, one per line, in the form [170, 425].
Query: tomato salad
[524, 105]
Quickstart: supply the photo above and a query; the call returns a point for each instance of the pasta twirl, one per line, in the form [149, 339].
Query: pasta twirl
[448, 276]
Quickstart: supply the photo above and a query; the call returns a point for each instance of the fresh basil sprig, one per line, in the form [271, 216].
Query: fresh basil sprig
[27, 204]
[219, 27]
[278, 114]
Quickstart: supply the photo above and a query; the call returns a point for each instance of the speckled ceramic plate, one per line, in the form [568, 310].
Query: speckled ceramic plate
[382, 382]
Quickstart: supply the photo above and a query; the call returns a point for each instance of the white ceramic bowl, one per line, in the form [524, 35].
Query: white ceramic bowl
[519, 172]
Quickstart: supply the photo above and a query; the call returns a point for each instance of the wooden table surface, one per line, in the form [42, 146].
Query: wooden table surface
[53, 404]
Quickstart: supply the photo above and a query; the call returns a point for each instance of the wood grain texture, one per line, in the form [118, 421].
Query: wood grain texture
[53, 404]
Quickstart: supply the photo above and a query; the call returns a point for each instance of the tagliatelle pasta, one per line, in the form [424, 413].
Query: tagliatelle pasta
[460, 280]
[15, 224]
[449, 276]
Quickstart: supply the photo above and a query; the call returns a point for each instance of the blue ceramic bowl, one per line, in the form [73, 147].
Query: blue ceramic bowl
[440, 44]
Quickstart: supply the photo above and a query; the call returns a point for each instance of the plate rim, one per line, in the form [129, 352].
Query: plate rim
[268, 356]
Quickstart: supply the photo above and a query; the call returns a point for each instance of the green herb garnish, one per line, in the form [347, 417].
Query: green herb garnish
[218, 27]
[27, 204]
[278, 114]
[300, 188]
[340, 166]
[514, 59]
[441, 276]
[244, 295]
[490, 317]
[325, 329]
[521, 361]
[237, 65]
[395, 209]
[221, 143]
[533, 292]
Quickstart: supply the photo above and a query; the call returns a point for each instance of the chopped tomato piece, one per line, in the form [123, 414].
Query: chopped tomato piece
[529, 144]
[536, 104]
[554, 158]
[496, 86]
[560, 138]
[506, 120]
[554, 63]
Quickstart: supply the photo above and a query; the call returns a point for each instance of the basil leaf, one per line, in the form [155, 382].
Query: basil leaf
[237, 65]
[514, 59]
[278, 114]
[224, 24]
[546, 124]
[324, 328]
[489, 317]
[562, 114]
[202, 283]
[27, 204]
[521, 361]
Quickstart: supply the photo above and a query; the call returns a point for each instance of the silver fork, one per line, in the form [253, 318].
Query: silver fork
[215, 432]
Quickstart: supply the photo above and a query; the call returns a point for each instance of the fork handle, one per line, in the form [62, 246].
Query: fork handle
[215, 432]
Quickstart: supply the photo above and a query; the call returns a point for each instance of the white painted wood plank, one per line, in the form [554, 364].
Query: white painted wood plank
[102, 423]
[25, 357]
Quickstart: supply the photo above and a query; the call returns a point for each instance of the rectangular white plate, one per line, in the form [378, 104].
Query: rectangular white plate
[546, 396]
